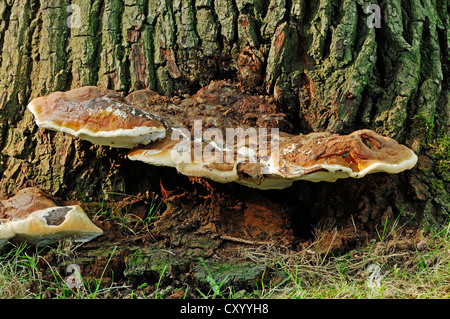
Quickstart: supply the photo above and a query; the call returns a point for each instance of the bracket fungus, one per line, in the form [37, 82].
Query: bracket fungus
[97, 115]
[327, 157]
[287, 158]
[224, 135]
[32, 216]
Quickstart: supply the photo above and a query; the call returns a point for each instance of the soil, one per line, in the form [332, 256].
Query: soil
[196, 236]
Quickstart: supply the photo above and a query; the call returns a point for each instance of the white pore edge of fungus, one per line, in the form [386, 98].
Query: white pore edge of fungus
[37, 229]
[377, 167]
[269, 182]
[183, 164]
[205, 171]
[119, 138]
[279, 177]
[153, 156]
[390, 168]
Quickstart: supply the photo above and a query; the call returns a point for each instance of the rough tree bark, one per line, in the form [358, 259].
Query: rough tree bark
[321, 61]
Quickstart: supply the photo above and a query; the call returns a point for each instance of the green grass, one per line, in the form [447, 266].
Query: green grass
[411, 271]
[216, 287]
[106, 208]
[402, 273]
[19, 273]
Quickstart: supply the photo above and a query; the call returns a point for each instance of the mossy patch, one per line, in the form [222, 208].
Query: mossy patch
[441, 149]
[214, 275]
[153, 265]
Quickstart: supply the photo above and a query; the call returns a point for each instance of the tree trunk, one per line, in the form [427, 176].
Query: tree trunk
[322, 62]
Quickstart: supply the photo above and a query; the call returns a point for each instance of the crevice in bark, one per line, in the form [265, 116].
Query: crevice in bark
[4, 24]
[97, 40]
[361, 28]
[380, 67]
[425, 67]
[330, 26]
[67, 67]
[235, 20]
[287, 14]
[171, 12]
[310, 10]
[407, 18]
[149, 51]
[219, 29]
[17, 91]
[123, 57]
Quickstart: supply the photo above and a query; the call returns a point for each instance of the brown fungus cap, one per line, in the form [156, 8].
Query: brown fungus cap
[98, 115]
[220, 104]
[25, 202]
[327, 157]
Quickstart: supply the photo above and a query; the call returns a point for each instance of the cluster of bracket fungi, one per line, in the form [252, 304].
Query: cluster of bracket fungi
[219, 133]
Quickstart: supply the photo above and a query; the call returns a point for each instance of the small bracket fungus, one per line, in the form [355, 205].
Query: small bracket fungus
[97, 115]
[33, 217]
[24, 202]
[48, 225]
